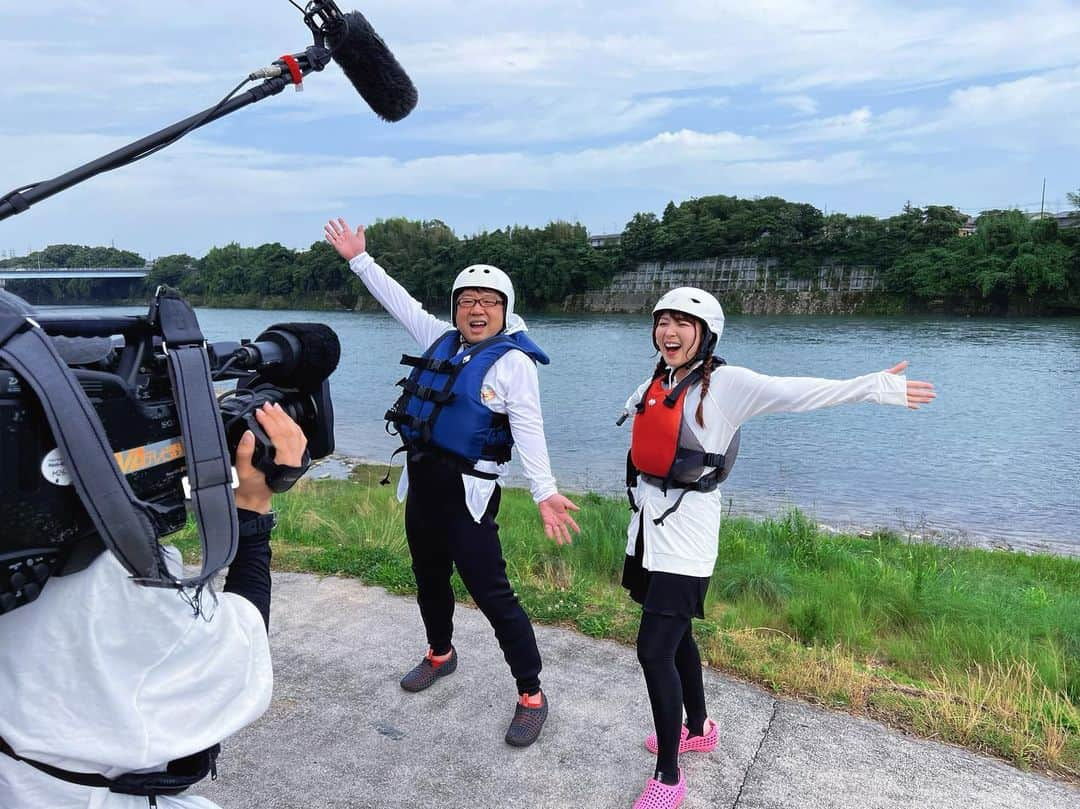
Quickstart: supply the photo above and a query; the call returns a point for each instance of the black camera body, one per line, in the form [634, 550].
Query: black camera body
[120, 364]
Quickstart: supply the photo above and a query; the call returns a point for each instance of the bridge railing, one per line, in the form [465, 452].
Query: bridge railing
[31, 273]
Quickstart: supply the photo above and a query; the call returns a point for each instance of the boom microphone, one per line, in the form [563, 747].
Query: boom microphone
[359, 51]
[366, 61]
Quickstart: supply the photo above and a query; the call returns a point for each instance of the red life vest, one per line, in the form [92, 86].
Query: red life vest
[658, 447]
[654, 441]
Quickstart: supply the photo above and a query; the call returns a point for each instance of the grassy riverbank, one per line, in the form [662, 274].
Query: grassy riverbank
[968, 646]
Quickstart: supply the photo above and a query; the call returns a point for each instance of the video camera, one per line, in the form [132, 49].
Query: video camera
[122, 366]
[106, 424]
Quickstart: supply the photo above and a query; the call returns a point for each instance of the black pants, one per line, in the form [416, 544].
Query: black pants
[442, 534]
[671, 663]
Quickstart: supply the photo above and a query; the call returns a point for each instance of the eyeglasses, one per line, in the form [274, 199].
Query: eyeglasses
[487, 303]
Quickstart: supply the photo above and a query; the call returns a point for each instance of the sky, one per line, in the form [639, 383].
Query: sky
[535, 111]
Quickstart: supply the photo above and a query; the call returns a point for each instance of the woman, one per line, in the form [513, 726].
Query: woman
[472, 396]
[685, 436]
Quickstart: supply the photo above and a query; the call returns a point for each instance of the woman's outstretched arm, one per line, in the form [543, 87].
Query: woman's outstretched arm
[743, 394]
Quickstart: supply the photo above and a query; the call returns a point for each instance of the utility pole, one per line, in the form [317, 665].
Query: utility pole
[1042, 204]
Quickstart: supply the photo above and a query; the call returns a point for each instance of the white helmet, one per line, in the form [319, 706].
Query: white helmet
[484, 276]
[699, 304]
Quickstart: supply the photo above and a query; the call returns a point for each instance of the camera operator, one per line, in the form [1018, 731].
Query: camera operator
[102, 678]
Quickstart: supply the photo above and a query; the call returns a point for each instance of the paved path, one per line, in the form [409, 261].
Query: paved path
[341, 732]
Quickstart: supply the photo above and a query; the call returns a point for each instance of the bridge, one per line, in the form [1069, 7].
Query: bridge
[28, 273]
[31, 273]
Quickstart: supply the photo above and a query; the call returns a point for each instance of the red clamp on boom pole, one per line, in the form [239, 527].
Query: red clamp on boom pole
[294, 71]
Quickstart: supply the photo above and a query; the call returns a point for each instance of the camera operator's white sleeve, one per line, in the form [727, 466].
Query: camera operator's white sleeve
[103, 675]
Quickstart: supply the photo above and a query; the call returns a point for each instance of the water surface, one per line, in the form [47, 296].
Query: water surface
[995, 457]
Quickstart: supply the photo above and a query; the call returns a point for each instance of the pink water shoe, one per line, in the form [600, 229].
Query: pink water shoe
[688, 743]
[658, 795]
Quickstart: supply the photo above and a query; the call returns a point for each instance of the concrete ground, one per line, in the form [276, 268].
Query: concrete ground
[341, 732]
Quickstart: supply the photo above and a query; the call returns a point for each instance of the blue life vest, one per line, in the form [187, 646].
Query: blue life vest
[442, 407]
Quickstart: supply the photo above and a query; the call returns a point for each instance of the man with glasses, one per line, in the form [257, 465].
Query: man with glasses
[472, 396]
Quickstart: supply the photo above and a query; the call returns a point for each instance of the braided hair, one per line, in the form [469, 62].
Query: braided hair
[706, 372]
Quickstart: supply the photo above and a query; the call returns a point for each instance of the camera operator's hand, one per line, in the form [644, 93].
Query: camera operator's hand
[289, 444]
[349, 244]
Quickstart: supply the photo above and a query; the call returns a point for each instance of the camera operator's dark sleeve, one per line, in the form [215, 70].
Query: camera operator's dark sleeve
[249, 573]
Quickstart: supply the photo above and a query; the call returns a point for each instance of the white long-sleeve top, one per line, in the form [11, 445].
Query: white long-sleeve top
[103, 675]
[686, 543]
[512, 377]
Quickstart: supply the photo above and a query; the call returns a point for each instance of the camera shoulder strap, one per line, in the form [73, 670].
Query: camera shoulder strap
[121, 519]
[210, 475]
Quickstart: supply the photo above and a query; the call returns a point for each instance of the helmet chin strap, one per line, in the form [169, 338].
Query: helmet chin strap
[708, 344]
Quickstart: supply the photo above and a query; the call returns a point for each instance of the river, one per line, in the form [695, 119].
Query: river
[994, 460]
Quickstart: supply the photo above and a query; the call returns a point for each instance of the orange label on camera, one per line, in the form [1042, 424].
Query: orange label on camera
[137, 459]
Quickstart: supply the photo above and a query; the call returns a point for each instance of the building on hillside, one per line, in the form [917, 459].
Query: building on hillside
[602, 240]
[1064, 219]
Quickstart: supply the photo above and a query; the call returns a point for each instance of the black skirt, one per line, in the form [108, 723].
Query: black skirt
[663, 593]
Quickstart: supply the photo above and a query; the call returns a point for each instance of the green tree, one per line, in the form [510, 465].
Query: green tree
[638, 241]
[170, 271]
[1010, 261]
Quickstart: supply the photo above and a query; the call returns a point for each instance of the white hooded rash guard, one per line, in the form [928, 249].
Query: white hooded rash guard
[512, 377]
[686, 542]
[102, 675]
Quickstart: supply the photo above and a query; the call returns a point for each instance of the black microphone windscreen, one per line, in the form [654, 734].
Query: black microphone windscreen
[364, 58]
[320, 351]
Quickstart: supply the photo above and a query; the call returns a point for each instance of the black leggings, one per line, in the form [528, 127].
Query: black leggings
[443, 535]
[672, 665]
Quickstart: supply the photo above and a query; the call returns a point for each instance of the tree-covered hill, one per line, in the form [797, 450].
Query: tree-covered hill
[1007, 261]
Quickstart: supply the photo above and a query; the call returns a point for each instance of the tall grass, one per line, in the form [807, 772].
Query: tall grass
[976, 647]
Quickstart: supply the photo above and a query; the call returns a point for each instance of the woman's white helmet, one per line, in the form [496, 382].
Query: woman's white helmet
[699, 304]
[484, 276]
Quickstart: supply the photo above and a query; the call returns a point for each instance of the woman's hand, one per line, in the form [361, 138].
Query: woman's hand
[555, 512]
[348, 244]
[918, 393]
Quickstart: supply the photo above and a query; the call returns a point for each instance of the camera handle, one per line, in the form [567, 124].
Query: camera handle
[279, 477]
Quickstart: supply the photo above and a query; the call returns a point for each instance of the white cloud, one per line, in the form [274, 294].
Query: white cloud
[791, 44]
[551, 100]
[1022, 115]
[1025, 114]
[560, 119]
[491, 56]
[84, 76]
[198, 176]
[803, 104]
[854, 125]
[1025, 100]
